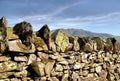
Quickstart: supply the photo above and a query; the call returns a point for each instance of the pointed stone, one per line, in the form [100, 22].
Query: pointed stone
[61, 39]
[44, 33]
[3, 34]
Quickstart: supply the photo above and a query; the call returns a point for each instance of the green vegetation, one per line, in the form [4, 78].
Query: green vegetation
[10, 34]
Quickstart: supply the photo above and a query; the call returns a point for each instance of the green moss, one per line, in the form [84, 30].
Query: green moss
[38, 42]
[61, 39]
[23, 47]
[10, 34]
[100, 43]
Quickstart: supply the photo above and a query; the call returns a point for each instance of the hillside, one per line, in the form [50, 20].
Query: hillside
[82, 33]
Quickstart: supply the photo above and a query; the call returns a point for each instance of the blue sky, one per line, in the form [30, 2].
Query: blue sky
[102, 16]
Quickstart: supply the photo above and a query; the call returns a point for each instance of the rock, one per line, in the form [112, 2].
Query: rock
[61, 39]
[20, 58]
[38, 67]
[31, 58]
[64, 62]
[17, 46]
[76, 46]
[44, 33]
[21, 66]
[53, 46]
[100, 43]
[40, 44]
[4, 58]
[43, 56]
[25, 32]
[49, 67]
[98, 69]
[85, 72]
[43, 79]
[77, 65]
[75, 76]
[8, 66]
[3, 34]
[81, 42]
[10, 34]
[65, 77]
[58, 67]
[14, 79]
[5, 75]
[21, 74]
[54, 79]
[69, 47]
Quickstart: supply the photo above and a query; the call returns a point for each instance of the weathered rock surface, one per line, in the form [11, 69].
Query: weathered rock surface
[44, 33]
[61, 39]
[3, 34]
[8, 66]
[61, 58]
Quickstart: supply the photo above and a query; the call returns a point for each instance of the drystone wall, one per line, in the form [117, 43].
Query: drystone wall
[26, 55]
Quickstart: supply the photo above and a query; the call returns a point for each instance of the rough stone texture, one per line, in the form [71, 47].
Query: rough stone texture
[67, 59]
[24, 31]
[8, 66]
[3, 34]
[44, 33]
[61, 39]
[17, 46]
[38, 68]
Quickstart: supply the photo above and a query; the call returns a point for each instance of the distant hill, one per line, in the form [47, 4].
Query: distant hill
[84, 33]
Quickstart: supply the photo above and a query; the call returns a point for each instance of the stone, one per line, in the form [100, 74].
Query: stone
[75, 76]
[53, 46]
[85, 72]
[4, 58]
[20, 58]
[17, 46]
[5, 75]
[98, 69]
[31, 58]
[21, 74]
[14, 79]
[69, 47]
[54, 79]
[43, 79]
[58, 67]
[39, 68]
[76, 46]
[42, 55]
[8, 66]
[49, 67]
[65, 77]
[10, 34]
[77, 65]
[64, 62]
[39, 43]
[21, 66]
[61, 39]
[44, 33]
[100, 43]
[3, 34]
[25, 32]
